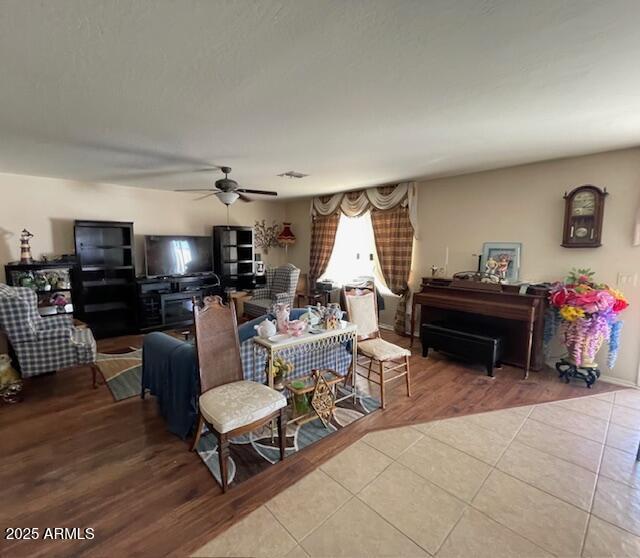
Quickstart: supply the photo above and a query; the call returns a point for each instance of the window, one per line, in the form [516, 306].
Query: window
[354, 253]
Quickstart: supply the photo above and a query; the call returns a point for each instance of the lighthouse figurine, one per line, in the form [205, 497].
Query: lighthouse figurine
[25, 248]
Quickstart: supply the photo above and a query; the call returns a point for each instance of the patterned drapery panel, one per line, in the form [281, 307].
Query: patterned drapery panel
[323, 236]
[394, 242]
[355, 203]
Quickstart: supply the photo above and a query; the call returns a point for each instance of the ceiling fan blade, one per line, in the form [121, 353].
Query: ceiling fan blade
[243, 198]
[149, 175]
[198, 190]
[259, 192]
[205, 196]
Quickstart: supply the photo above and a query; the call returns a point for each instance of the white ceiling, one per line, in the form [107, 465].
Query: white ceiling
[352, 92]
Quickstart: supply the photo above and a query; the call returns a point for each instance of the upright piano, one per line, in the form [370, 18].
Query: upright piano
[517, 312]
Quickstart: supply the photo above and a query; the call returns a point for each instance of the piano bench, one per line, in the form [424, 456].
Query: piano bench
[463, 342]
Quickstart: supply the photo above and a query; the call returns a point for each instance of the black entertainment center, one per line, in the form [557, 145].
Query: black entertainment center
[166, 302]
[179, 269]
[113, 301]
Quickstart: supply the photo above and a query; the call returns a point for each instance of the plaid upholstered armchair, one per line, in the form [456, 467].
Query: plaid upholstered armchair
[43, 344]
[281, 287]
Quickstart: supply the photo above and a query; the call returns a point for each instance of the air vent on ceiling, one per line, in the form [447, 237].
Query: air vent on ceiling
[293, 174]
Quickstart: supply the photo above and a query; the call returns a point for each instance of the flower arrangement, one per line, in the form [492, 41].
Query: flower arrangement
[588, 313]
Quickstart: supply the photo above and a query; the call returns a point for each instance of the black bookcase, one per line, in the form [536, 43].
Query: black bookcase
[50, 280]
[104, 278]
[233, 255]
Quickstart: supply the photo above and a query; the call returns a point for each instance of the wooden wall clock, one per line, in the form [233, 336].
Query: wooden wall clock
[583, 215]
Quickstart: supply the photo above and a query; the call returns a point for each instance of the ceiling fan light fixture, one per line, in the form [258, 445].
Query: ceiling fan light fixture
[227, 198]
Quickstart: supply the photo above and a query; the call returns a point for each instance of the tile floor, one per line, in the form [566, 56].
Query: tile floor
[558, 479]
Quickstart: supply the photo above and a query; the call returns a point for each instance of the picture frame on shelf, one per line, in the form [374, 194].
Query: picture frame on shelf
[502, 259]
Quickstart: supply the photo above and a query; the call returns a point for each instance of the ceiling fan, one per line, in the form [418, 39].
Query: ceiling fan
[227, 191]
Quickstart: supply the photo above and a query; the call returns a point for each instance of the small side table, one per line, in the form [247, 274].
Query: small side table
[300, 389]
[323, 297]
[239, 298]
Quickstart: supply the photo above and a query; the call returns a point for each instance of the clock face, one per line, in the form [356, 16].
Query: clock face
[584, 203]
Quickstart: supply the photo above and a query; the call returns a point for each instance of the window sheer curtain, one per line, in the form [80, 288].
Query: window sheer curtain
[394, 217]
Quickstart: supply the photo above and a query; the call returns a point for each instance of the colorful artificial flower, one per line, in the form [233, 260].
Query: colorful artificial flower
[588, 314]
[559, 297]
[571, 313]
[620, 302]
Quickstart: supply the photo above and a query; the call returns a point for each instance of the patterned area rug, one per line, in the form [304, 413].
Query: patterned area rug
[122, 372]
[253, 452]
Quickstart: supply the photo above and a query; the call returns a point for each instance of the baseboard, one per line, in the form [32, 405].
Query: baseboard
[618, 381]
[386, 326]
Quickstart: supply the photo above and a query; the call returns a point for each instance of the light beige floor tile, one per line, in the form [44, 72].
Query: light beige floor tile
[356, 531]
[394, 441]
[559, 478]
[617, 503]
[554, 525]
[449, 468]
[425, 427]
[625, 416]
[306, 504]
[607, 541]
[577, 423]
[609, 396]
[478, 536]
[297, 552]
[621, 466]
[589, 406]
[561, 443]
[628, 398]
[356, 466]
[466, 436]
[625, 439]
[421, 510]
[524, 410]
[504, 423]
[259, 534]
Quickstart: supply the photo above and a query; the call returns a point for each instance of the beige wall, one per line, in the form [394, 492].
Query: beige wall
[48, 207]
[524, 204]
[518, 204]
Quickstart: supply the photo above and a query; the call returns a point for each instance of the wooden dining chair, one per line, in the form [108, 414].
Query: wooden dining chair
[229, 405]
[391, 361]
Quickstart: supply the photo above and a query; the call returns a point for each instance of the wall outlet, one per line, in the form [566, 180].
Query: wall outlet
[627, 279]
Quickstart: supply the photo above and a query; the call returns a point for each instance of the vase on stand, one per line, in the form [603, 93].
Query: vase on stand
[583, 352]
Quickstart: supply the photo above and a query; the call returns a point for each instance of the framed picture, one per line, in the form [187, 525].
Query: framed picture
[502, 259]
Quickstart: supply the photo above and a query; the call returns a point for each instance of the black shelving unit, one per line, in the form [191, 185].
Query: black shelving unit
[104, 277]
[233, 254]
[46, 278]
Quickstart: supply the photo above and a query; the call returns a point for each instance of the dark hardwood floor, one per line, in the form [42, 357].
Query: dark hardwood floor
[72, 457]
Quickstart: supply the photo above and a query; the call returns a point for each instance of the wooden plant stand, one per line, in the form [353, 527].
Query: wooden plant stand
[331, 377]
[568, 369]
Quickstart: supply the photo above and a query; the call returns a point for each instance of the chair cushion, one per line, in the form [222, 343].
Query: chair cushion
[382, 350]
[237, 404]
[362, 312]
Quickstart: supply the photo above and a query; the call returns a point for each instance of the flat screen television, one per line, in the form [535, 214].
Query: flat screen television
[178, 255]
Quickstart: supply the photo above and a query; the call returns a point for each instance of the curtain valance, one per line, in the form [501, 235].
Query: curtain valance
[382, 198]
